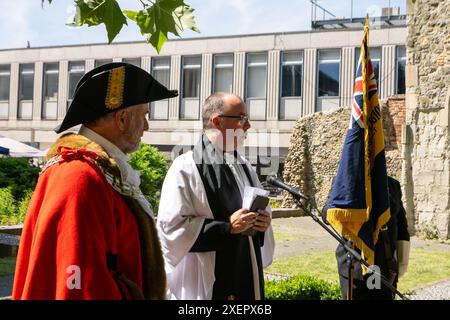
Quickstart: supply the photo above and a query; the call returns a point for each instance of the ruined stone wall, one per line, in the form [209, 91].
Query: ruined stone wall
[316, 146]
[427, 148]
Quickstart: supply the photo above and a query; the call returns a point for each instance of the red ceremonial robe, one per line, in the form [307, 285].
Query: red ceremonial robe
[77, 231]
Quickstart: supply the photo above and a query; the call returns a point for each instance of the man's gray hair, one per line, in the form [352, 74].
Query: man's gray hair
[213, 105]
[108, 117]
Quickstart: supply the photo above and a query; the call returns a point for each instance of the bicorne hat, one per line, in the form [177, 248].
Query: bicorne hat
[111, 87]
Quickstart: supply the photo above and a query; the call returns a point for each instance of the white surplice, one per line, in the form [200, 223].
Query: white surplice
[182, 210]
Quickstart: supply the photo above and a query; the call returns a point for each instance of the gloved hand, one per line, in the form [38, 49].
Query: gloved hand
[403, 248]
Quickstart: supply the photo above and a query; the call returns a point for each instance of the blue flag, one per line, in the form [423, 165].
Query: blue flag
[4, 151]
[359, 200]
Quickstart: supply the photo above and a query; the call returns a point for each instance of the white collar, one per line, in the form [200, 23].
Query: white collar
[109, 147]
[127, 172]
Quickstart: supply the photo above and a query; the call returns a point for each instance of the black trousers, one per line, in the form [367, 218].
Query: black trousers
[361, 290]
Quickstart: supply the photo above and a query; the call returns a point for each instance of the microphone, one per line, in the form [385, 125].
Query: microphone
[276, 182]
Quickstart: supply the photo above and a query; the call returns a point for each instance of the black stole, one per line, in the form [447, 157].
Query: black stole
[233, 269]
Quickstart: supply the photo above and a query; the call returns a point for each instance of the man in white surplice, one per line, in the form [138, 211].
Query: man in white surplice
[213, 248]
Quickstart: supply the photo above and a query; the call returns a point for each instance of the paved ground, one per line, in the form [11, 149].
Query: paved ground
[307, 236]
[297, 236]
[6, 286]
[300, 236]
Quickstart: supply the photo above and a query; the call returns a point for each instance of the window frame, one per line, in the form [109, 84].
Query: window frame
[45, 80]
[224, 66]
[329, 61]
[167, 67]
[247, 73]
[397, 61]
[190, 67]
[133, 58]
[7, 74]
[69, 73]
[284, 63]
[105, 61]
[22, 66]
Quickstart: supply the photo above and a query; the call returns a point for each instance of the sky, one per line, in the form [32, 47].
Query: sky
[26, 20]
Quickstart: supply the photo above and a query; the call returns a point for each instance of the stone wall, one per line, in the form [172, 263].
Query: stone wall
[427, 148]
[316, 146]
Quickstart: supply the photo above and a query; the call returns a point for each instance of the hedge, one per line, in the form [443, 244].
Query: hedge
[301, 287]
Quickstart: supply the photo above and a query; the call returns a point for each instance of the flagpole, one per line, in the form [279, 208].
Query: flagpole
[355, 255]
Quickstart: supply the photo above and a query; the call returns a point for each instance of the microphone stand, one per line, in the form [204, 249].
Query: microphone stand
[351, 253]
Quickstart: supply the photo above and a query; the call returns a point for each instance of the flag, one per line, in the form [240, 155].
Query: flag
[359, 200]
[4, 151]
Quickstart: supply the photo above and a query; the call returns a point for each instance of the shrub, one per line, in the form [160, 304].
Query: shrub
[18, 175]
[13, 211]
[301, 287]
[426, 230]
[8, 208]
[22, 205]
[153, 166]
[275, 203]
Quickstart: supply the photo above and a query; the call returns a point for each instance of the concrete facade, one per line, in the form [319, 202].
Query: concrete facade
[270, 110]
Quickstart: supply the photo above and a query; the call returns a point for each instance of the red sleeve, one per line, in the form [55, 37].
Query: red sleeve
[73, 225]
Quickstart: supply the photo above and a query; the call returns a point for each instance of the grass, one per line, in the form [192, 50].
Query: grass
[7, 266]
[321, 265]
[425, 267]
[287, 236]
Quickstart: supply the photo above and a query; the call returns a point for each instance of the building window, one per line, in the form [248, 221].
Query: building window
[223, 73]
[191, 77]
[26, 81]
[256, 75]
[401, 66]
[76, 72]
[51, 73]
[50, 91]
[290, 107]
[5, 75]
[329, 61]
[375, 57]
[159, 110]
[161, 70]
[26, 88]
[101, 62]
[291, 74]
[134, 61]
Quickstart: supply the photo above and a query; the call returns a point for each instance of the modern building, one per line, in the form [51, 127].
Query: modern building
[281, 77]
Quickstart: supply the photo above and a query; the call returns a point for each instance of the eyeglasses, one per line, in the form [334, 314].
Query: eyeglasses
[243, 119]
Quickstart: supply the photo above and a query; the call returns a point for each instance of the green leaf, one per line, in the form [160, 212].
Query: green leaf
[155, 20]
[130, 14]
[95, 12]
[184, 19]
[163, 17]
[158, 39]
[144, 21]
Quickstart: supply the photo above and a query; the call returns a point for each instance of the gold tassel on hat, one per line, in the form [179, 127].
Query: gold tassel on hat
[114, 95]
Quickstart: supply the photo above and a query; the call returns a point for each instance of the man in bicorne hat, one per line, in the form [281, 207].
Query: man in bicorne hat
[89, 232]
